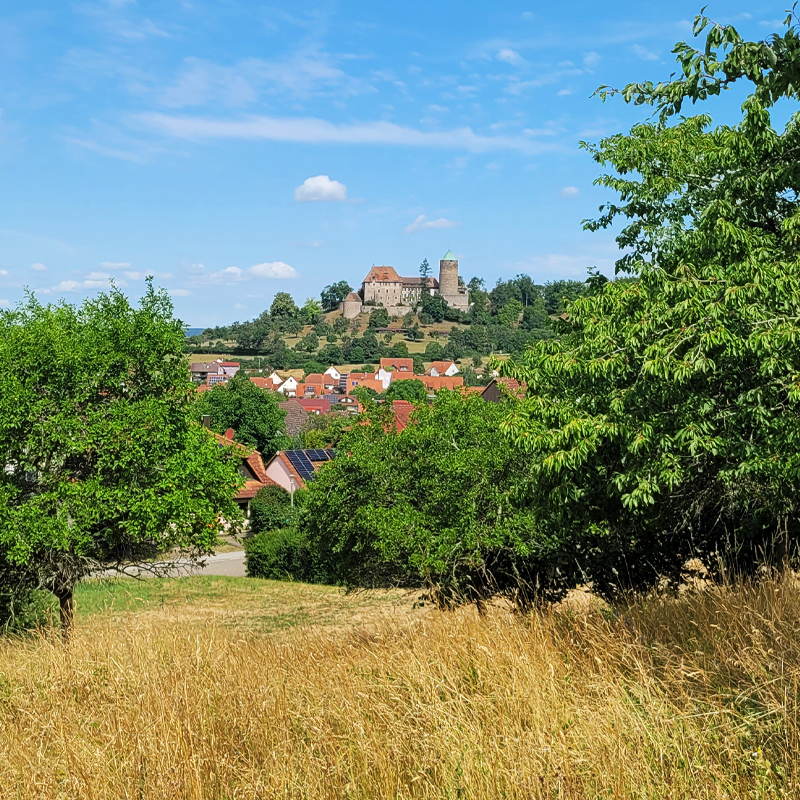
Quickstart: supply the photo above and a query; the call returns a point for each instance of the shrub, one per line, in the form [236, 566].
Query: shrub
[269, 509]
[23, 608]
[281, 555]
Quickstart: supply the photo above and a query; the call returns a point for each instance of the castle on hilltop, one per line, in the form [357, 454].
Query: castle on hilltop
[398, 295]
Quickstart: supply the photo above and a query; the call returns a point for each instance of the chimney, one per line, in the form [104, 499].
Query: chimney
[229, 434]
[205, 421]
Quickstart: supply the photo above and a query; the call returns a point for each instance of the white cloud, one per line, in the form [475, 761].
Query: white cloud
[564, 92]
[37, 267]
[591, 59]
[422, 223]
[273, 269]
[114, 265]
[230, 275]
[3, 272]
[239, 305]
[510, 57]
[309, 71]
[269, 269]
[5, 303]
[320, 187]
[570, 191]
[310, 130]
[644, 53]
[76, 286]
[179, 292]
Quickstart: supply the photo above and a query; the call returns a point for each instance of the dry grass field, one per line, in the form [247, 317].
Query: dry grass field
[165, 694]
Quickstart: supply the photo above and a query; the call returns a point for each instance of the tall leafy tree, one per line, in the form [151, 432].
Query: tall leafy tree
[254, 414]
[332, 295]
[665, 422]
[103, 461]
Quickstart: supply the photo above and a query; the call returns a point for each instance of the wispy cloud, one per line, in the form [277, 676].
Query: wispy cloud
[114, 264]
[320, 188]
[307, 72]
[38, 267]
[644, 53]
[422, 223]
[570, 191]
[510, 56]
[232, 275]
[318, 131]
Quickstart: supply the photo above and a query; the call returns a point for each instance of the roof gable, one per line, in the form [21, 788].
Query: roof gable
[382, 275]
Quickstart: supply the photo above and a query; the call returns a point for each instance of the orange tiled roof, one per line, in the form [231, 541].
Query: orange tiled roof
[382, 275]
[254, 462]
[440, 366]
[398, 364]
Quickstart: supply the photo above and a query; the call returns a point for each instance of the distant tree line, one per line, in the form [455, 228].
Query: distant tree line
[505, 319]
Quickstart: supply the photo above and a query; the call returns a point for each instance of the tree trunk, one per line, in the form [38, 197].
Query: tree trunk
[66, 604]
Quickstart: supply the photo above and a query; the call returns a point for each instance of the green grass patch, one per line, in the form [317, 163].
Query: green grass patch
[249, 603]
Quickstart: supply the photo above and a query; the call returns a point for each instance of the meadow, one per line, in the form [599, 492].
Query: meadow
[239, 688]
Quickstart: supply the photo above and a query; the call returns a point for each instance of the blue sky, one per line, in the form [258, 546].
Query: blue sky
[236, 149]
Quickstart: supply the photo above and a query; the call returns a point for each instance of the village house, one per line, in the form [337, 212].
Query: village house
[251, 468]
[398, 364]
[292, 469]
[212, 372]
[442, 368]
[288, 387]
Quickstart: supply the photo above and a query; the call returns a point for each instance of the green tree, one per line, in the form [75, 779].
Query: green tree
[104, 465]
[510, 313]
[434, 351]
[663, 424]
[284, 312]
[309, 343]
[425, 275]
[269, 509]
[379, 318]
[332, 295]
[419, 365]
[254, 414]
[444, 507]
[407, 389]
[311, 312]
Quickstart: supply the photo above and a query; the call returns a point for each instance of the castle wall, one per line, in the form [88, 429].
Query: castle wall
[387, 293]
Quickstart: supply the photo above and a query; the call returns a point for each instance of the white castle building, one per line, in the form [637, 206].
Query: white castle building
[384, 287]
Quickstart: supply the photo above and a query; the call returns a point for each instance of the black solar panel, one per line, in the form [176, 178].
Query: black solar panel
[318, 455]
[299, 460]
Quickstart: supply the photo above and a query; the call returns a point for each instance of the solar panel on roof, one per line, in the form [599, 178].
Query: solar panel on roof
[318, 455]
[299, 460]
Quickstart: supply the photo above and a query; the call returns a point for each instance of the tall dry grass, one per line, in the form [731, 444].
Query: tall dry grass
[689, 698]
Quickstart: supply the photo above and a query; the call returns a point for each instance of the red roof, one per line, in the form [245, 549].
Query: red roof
[402, 411]
[255, 463]
[440, 366]
[382, 275]
[315, 404]
[398, 364]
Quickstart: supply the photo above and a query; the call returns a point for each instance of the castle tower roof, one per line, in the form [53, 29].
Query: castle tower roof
[448, 256]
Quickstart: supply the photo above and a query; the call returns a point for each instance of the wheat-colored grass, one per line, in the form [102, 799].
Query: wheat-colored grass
[683, 698]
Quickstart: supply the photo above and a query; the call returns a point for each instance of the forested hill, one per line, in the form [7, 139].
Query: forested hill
[501, 320]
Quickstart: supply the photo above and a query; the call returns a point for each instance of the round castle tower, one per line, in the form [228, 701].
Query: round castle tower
[448, 275]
